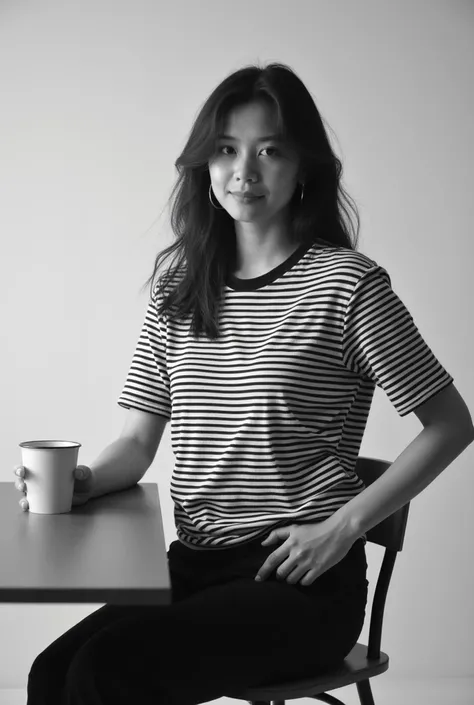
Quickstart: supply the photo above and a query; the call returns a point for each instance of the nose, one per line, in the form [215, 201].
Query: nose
[245, 169]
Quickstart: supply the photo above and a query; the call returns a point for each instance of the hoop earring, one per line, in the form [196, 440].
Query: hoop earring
[210, 198]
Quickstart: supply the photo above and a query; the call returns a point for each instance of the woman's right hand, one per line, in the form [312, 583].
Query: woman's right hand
[82, 485]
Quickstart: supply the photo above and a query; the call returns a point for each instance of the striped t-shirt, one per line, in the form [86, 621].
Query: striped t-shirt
[267, 421]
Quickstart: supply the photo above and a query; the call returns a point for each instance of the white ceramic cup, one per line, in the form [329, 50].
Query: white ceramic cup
[49, 475]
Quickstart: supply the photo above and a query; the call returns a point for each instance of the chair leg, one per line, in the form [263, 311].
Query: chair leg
[326, 698]
[365, 693]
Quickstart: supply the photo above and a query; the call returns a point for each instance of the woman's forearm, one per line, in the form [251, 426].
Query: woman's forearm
[415, 468]
[120, 465]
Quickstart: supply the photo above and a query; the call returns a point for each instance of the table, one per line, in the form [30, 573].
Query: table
[111, 549]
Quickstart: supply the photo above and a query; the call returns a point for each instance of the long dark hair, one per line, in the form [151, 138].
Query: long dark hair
[204, 243]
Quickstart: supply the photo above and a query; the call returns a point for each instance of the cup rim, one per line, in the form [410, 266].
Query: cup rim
[37, 444]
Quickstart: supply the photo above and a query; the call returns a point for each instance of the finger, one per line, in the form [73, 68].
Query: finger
[19, 471]
[82, 472]
[285, 569]
[272, 561]
[24, 504]
[280, 534]
[310, 577]
[295, 575]
[81, 493]
[20, 485]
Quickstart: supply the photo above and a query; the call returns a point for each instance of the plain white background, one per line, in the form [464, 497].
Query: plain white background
[97, 100]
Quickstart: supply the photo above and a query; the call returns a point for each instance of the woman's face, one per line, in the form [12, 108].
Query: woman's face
[248, 162]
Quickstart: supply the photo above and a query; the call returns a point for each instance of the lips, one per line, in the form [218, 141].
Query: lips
[246, 196]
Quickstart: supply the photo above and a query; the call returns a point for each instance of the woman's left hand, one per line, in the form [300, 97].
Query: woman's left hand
[308, 550]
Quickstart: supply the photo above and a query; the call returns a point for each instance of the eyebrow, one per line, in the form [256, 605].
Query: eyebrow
[267, 138]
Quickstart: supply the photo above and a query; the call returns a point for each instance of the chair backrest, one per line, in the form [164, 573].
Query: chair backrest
[390, 534]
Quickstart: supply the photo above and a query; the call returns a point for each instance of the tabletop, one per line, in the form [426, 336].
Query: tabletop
[111, 549]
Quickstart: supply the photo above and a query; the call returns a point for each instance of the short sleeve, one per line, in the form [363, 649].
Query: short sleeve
[147, 386]
[382, 342]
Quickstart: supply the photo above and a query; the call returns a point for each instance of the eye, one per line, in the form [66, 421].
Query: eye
[228, 146]
[272, 149]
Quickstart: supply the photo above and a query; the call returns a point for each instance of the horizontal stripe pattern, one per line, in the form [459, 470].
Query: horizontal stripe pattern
[267, 421]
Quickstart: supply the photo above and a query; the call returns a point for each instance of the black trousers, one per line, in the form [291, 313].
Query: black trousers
[223, 631]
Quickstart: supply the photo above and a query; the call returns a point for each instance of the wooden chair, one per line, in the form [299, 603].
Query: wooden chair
[363, 662]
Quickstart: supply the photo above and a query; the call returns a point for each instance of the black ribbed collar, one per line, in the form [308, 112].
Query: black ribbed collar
[238, 284]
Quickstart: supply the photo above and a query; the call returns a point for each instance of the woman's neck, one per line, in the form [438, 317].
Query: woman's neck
[254, 262]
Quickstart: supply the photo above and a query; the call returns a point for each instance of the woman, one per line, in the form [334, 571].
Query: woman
[262, 344]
